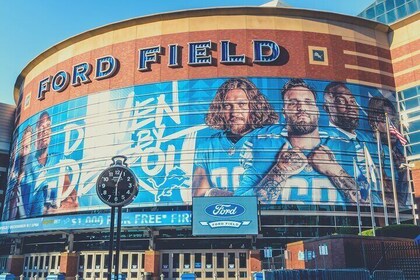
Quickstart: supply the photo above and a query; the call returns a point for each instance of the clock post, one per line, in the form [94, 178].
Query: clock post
[117, 187]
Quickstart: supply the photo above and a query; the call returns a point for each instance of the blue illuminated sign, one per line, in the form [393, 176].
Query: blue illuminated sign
[95, 221]
[225, 215]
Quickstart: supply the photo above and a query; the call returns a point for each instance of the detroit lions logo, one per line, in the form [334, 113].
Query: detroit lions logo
[174, 180]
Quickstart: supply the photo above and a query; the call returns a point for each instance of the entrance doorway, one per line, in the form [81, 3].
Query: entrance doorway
[41, 265]
[205, 264]
[94, 265]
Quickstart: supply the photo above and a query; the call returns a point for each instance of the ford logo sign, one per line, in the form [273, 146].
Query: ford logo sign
[225, 210]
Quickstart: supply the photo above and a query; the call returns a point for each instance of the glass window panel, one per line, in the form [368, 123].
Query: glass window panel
[58, 261]
[187, 260]
[124, 261]
[81, 262]
[389, 4]
[231, 260]
[243, 274]
[31, 260]
[135, 261]
[391, 16]
[380, 9]
[220, 260]
[197, 260]
[197, 274]
[47, 262]
[399, 3]
[209, 274]
[142, 260]
[242, 260]
[133, 274]
[175, 274]
[89, 262]
[401, 11]
[412, 103]
[411, 7]
[370, 13]
[220, 274]
[415, 149]
[175, 260]
[231, 274]
[382, 18]
[165, 261]
[36, 262]
[106, 260]
[209, 260]
[53, 262]
[41, 262]
[98, 261]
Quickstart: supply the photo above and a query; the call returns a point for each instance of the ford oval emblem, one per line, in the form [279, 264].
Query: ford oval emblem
[225, 210]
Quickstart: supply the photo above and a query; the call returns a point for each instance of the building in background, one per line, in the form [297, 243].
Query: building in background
[403, 18]
[390, 11]
[6, 128]
[207, 102]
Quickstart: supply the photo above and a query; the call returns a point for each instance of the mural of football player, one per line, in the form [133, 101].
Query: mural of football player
[378, 106]
[47, 191]
[343, 113]
[295, 164]
[19, 195]
[238, 110]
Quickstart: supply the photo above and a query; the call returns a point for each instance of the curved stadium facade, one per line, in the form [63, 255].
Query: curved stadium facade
[274, 103]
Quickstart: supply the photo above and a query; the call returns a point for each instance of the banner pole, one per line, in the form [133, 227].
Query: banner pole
[391, 160]
[379, 145]
[359, 219]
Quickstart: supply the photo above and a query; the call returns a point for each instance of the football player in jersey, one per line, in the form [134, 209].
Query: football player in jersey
[343, 113]
[18, 197]
[295, 164]
[378, 106]
[238, 109]
[49, 187]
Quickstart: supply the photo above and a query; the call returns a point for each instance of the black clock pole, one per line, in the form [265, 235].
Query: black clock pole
[111, 243]
[117, 251]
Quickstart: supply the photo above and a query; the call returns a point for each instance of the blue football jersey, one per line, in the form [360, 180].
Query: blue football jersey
[308, 186]
[45, 185]
[223, 160]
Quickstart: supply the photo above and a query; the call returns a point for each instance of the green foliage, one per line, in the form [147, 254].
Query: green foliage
[368, 232]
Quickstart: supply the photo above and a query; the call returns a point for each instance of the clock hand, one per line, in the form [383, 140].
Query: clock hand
[116, 184]
[118, 180]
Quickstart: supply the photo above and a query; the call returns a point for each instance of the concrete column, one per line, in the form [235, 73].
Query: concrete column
[68, 264]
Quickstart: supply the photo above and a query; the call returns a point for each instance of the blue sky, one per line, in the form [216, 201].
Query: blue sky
[27, 28]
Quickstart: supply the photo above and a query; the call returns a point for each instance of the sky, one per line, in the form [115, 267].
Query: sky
[28, 28]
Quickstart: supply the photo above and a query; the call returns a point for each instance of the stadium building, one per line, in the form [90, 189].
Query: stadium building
[268, 117]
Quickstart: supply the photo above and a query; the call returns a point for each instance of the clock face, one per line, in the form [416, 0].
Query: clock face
[117, 186]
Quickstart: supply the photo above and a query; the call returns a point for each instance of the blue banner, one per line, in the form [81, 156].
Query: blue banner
[96, 221]
[286, 141]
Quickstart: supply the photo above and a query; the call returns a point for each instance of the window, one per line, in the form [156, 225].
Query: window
[219, 260]
[231, 260]
[242, 260]
[165, 261]
[175, 260]
[209, 261]
[187, 260]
